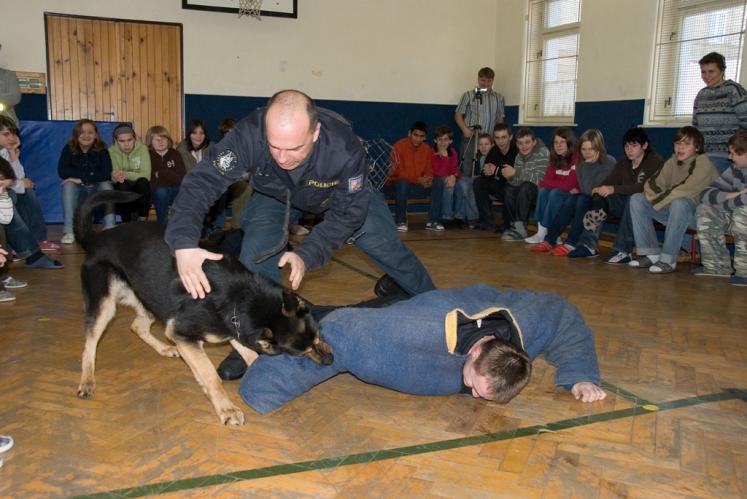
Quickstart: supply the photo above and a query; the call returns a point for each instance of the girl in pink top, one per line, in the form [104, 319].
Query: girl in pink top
[445, 174]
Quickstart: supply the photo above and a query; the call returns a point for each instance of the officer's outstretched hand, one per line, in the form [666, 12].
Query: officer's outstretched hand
[298, 268]
[189, 265]
[588, 392]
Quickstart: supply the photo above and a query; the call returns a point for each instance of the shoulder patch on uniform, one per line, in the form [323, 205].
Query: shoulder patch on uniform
[225, 162]
[355, 183]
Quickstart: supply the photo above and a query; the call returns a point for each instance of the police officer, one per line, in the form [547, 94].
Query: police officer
[300, 161]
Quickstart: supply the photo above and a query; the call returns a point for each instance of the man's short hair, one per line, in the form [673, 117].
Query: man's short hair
[6, 171]
[714, 58]
[486, 72]
[738, 142]
[635, 134]
[692, 133]
[420, 126]
[310, 105]
[8, 124]
[525, 132]
[502, 126]
[508, 368]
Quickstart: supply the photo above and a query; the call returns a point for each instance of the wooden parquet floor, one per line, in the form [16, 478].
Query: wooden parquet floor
[672, 352]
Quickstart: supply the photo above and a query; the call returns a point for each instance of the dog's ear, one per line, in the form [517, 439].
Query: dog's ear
[266, 341]
[290, 304]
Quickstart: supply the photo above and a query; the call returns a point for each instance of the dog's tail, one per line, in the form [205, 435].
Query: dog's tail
[83, 223]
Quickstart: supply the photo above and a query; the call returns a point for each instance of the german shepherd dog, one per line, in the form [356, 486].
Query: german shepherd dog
[131, 264]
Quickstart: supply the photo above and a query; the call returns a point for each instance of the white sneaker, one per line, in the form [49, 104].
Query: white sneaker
[6, 443]
[434, 226]
[68, 238]
[535, 239]
[402, 227]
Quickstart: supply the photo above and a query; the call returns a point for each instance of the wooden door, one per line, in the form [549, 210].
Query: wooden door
[115, 70]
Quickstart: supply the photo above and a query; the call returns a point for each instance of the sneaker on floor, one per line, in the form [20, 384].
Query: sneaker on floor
[6, 295]
[541, 247]
[736, 280]
[434, 226]
[619, 258]
[512, 236]
[700, 271]
[49, 246]
[68, 238]
[6, 443]
[402, 227]
[641, 263]
[583, 252]
[13, 283]
[45, 263]
[561, 250]
[662, 268]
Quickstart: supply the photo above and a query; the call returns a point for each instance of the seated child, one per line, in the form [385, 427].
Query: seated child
[25, 201]
[723, 209]
[445, 175]
[130, 172]
[558, 184]
[670, 197]
[464, 198]
[167, 171]
[85, 167]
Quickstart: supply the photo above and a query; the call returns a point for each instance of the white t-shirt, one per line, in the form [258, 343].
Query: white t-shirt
[6, 209]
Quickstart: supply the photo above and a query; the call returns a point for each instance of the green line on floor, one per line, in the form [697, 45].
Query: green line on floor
[380, 455]
[632, 397]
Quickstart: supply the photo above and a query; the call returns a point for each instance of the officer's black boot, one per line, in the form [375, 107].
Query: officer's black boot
[386, 287]
[232, 367]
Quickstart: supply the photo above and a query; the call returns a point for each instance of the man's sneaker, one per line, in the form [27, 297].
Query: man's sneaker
[6, 443]
[619, 258]
[662, 268]
[512, 236]
[68, 238]
[434, 226]
[45, 263]
[6, 295]
[49, 246]
[736, 280]
[700, 271]
[13, 283]
[641, 263]
[583, 252]
[402, 227]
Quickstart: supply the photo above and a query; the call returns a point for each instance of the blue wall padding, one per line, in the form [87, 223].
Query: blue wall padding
[41, 145]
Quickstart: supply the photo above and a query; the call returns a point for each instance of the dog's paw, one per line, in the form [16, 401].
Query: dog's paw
[86, 390]
[231, 416]
[169, 352]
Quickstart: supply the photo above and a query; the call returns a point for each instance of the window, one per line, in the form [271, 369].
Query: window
[688, 30]
[551, 61]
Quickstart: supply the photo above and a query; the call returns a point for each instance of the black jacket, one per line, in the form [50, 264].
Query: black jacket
[332, 184]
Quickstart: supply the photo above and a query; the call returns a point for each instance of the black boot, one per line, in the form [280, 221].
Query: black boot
[386, 287]
[232, 367]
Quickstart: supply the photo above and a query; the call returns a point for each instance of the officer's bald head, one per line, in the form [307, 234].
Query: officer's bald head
[292, 127]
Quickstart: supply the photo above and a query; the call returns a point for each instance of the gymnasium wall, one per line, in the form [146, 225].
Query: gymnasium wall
[382, 63]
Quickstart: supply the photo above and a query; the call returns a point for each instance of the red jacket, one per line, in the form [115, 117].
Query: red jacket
[443, 166]
[561, 177]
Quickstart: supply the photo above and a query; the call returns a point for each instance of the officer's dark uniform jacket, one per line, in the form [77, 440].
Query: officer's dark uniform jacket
[333, 183]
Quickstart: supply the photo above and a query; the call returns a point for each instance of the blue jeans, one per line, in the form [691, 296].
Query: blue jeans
[437, 198]
[19, 236]
[549, 202]
[30, 211]
[163, 197]
[466, 206]
[677, 216]
[263, 217]
[574, 207]
[618, 205]
[74, 194]
[402, 191]
[447, 203]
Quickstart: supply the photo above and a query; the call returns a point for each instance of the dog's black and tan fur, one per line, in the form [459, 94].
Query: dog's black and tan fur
[132, 265]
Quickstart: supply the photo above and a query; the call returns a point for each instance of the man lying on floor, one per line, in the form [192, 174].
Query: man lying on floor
[476, 340]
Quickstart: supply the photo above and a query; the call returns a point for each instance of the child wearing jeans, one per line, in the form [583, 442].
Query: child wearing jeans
[445, 176]
[723, 209]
